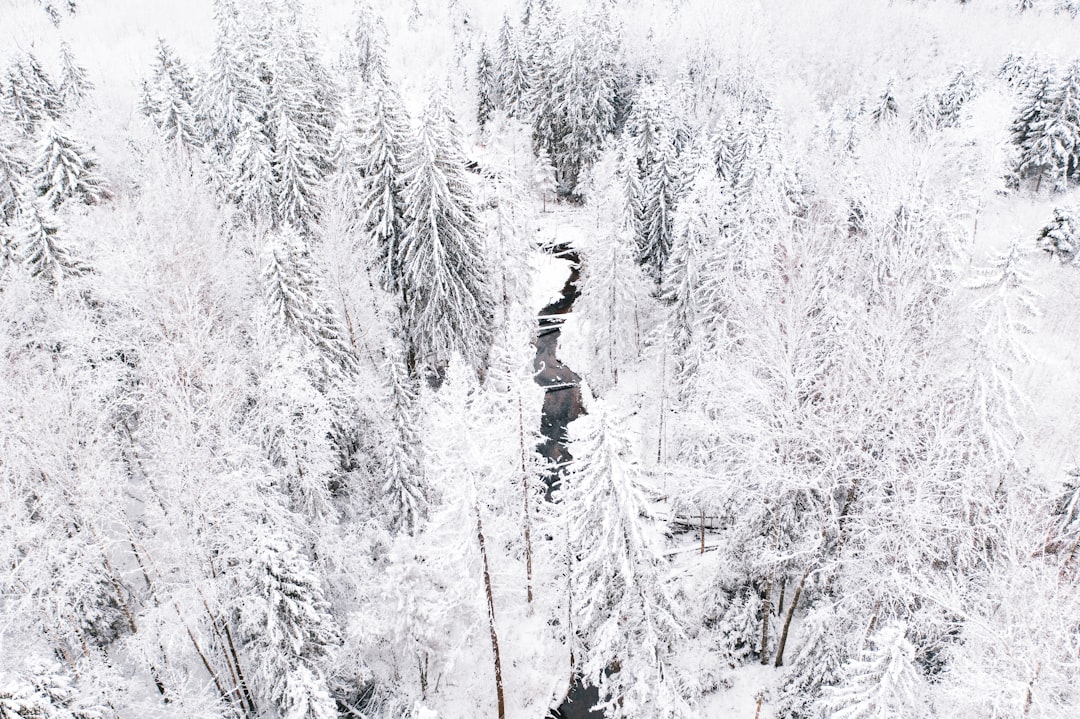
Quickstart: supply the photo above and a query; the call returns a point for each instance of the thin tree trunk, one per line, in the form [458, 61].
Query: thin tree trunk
[611, 333]
[525, 490]
[570, 608]
[1030, 685]
[660, 421]
[783, 588]
[872, 624]
[250, 700]
[791, 613]
[766, 614]
[702, 528]
[198, 650]
[491, 617]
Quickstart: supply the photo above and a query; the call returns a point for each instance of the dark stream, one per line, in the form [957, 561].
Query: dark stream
[562, 405]
[562, 399]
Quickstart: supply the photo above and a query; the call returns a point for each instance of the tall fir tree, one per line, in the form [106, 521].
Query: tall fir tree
[405, 489]
[511, 72]
[446, 301]
[487, 95]
[167, 99]
[382, 147]
[886, 110]
[701, 218]
[661, 186]
[297, 175]
[367, 53]
[74, 85]
[65, 169]
[293, 295]
[30, 95]
[285, 627]
[251, 182]
[13, 168]
[231, 92]
[41, 246]
[1053, 145]
[883, 681]
[623, 612]
[1061, 237]
[614, 289]
[818, 664]
[44, 691]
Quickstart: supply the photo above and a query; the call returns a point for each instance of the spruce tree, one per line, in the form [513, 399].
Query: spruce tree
[924, 116]
[886, 110]
[739, 627]
[1053, 145]
[883, 682]
[41, 246]
[44, 691]
[296, 174]
[662, 187]
[1017, 71]
[251, 183]
[1065, 516]
[1031, 113]
[231, 92]
[699, 221]
[1061, 238]
[511, 72]
[614, 289]
[1009, 305]
[733, 156]
[300, 89]
[65, 169]
[167, 99]
[293, 295]
[30, 94]
[74, 83]
[13, 168]
[486, 88]
[623, 611]
[573, 98]
[368, 50]
[382, 146]
[961, 89]
[817, 665]
[285, 627]
[404, 488]
[543, 177]
[446, 303]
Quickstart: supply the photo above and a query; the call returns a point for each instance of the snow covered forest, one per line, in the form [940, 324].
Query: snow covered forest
[539, 359]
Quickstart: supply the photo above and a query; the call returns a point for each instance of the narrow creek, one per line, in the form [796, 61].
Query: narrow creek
[562, 405]
[562, 398]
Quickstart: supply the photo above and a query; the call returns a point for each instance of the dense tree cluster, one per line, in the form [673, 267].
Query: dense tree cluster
[273, 385]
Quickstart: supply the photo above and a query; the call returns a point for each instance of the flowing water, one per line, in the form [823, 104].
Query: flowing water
[562, 405]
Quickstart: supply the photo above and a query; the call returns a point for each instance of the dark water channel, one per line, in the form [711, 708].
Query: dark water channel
[562, 399]
[562, 405]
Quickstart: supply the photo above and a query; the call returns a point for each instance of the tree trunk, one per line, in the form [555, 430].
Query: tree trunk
[491, 617]
[872, 624]
[766, 613]
[702, 529]
[660, 420]
[525, 490]
[791, 613]
[1030, 685]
